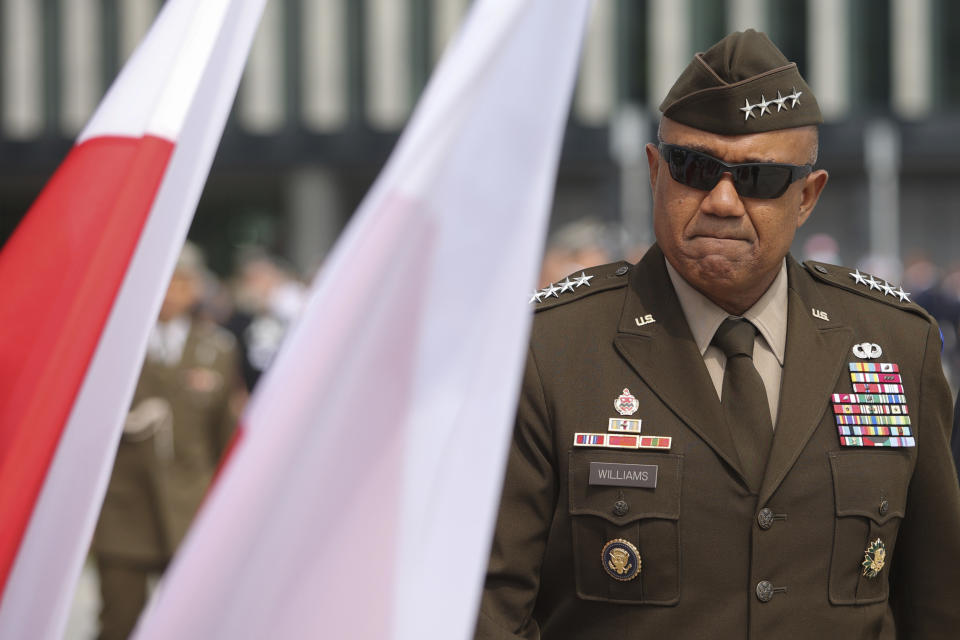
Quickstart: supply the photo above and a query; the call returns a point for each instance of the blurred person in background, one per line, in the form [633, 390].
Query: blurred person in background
[924, 279]
[181, 418]
[576, 245]
[821, 247]
[268, 297]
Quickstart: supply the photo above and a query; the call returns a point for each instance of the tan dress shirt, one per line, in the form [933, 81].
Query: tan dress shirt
[768, 315]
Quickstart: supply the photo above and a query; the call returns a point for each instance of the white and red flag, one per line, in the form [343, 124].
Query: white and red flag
[360, 498]
[83, 278]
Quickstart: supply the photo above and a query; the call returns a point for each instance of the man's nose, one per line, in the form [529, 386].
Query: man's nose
[723, 199]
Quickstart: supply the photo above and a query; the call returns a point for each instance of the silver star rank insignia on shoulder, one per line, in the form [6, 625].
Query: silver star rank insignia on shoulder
[568, 285]
[875, 284]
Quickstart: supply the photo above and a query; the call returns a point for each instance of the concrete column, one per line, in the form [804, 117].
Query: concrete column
[388, 73]
[747, 14]
[23, 69]
[135, 18]
[629, 134]
[882, 158]
[911, 57]
[324, 77]
[81, 82]
[827, 40]
[315, 216]
[670, 49]
[261, 104]
[596, 90]
[447, 17]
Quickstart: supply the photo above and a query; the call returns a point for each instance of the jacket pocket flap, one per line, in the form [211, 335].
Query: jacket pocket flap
[870, 484]
[622, 502]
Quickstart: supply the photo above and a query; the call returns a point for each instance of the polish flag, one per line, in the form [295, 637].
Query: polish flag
[83, 279]
[360, 500]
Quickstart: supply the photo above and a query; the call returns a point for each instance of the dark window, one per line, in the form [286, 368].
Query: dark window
[787, 20]
[870, 54]
[709, 19]
[632, 50]
[946, 68]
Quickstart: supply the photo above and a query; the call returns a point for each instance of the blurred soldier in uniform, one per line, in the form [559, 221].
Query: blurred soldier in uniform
[268, 298]
[720, 442]
[178, 425]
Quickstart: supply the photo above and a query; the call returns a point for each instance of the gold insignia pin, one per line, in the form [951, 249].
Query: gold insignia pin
[874, 558]
[621, 560]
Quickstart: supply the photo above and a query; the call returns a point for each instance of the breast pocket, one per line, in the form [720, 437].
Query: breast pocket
[612, 524]
[870, 491]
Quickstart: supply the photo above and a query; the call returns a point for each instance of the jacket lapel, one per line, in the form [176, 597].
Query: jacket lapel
[665, 356]
[813, 361]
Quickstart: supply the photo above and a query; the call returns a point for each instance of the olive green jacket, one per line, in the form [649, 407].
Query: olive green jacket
[163, 468]
[703, 552]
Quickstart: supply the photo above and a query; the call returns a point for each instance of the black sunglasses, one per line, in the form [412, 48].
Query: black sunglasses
[751, 179]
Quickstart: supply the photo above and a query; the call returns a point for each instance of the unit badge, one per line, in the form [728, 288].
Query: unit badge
[874, 558]
[621, 560]
[626, 403]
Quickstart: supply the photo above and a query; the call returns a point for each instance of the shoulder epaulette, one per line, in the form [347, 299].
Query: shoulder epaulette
[865, 285]
[581, 284]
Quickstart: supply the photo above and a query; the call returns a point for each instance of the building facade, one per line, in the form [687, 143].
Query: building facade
[330, 83]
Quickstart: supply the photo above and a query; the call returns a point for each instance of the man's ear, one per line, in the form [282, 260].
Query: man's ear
[812, 188]
[653, 161]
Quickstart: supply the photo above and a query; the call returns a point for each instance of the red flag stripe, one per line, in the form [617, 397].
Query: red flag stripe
[61, 271]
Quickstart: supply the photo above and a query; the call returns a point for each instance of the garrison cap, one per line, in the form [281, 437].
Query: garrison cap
[742, 84]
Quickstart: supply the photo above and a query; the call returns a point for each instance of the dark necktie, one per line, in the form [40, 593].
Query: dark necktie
[744, 398]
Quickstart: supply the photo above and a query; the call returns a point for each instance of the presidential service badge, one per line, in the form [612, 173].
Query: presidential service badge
[874, 558]
[621, 560]
[626, 403]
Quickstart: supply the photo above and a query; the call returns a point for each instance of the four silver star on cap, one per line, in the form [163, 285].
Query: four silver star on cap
[764, 104]
[554, 289]
[879, 285]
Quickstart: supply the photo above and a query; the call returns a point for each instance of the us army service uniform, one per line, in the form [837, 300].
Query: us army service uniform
[178, 425]
[847, 536]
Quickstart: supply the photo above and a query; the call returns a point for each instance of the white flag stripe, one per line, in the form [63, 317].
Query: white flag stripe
[281, 445]
[152, 95]
[40, 586]
[360, 500]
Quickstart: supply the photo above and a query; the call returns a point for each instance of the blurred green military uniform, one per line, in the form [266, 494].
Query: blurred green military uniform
[179, 424]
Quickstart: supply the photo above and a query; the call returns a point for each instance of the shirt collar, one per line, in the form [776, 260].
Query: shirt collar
[768, 314]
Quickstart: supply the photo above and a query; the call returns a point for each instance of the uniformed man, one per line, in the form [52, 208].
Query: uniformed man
[719, 442]
[178, 425]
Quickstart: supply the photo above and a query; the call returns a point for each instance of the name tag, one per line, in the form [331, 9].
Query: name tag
[623, 475]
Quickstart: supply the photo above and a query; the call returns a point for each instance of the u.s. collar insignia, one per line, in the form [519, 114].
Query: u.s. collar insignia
[621, 560]
[867, 350]
[626, 403]
[874, 558]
